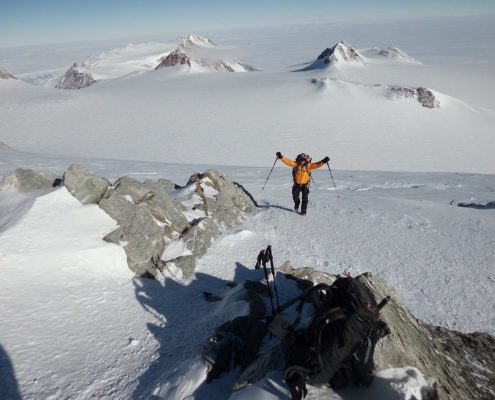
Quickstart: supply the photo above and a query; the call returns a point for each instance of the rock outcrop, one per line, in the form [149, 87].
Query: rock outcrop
[154, 226]
[460, 365]
[76, 78]
[4, 146]
[85, 185]
[27, 180]
[424, 96]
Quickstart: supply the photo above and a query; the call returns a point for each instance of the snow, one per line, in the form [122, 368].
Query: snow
[77, 323]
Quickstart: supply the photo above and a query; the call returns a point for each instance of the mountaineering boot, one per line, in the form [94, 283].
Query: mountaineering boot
[296, 206]
[303, 211]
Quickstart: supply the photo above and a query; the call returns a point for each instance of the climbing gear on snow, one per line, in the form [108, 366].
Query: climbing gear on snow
[264, 257]
[341, 337]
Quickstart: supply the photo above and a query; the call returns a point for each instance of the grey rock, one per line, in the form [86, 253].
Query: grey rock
[424, 96]
[27, 180]
[139, 235]
[85, 185]
[198, 238]
[75, 78]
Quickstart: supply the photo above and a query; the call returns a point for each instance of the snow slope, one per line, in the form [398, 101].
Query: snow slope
[223, 119]
[70, 301]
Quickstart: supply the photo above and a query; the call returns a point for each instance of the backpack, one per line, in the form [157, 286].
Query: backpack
[339, 342]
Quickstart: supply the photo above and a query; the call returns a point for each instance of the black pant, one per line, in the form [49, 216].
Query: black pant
[296, 190]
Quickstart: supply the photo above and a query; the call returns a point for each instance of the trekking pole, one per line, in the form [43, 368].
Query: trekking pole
[263, 255]
[269, 256]
[331, 176]
[263, 188]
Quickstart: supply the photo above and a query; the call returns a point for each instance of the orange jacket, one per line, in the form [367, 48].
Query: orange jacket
[301, 173]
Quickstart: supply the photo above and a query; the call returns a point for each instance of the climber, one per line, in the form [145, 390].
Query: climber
[301, 174]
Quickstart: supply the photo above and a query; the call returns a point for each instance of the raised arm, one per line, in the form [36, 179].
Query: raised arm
[286, 161]
[319, 163]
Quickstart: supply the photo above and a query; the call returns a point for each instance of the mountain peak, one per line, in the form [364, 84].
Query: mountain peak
[76, 77]
[342, 52]
[196, 41]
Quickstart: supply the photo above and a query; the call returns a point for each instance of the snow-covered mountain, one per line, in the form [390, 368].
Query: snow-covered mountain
[193, 53]
[340, 54]
[4, 74]
[76, 77]
[197, 40]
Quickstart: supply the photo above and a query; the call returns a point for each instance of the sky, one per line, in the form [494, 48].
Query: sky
[27, 22]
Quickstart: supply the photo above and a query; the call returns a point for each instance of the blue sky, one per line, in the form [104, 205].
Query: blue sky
[51, 21]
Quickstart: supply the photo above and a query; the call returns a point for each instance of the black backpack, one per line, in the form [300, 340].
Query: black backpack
[338, 345]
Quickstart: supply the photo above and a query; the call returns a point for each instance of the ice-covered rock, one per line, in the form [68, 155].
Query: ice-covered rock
[423, 95]
[223, 204]
[85, 185]
[4, 74]
[76, 77]
[27, 180]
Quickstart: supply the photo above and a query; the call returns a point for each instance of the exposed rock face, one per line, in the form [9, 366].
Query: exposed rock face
[75, 78]
[177, 57]
[85, 185]
[424, 96]
[340, 53]
[224, 206]
[461, 364]
[26, 180]
[4, 74]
